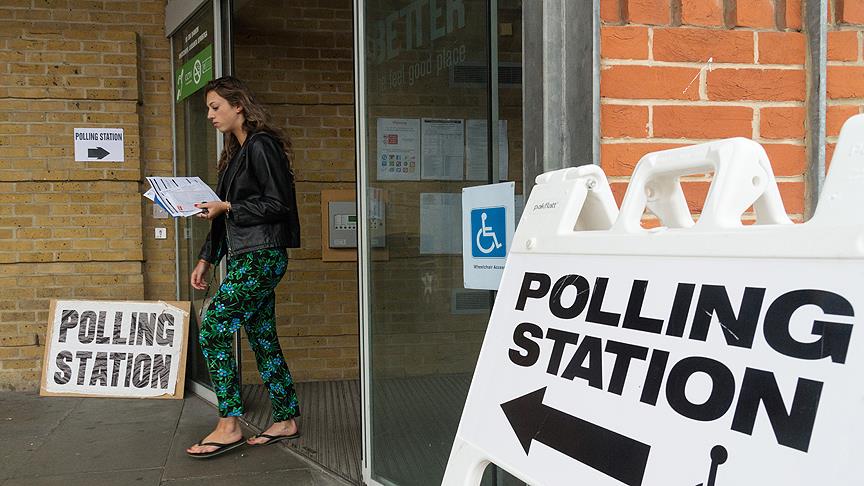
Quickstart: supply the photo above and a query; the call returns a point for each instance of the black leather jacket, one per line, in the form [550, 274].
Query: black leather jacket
[260, 188]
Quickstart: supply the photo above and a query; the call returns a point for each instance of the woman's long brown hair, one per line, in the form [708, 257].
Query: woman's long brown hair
[256, 117]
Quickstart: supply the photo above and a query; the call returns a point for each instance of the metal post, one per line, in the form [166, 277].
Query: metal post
[532, 93]
[364, 261]
[492, 133]
[815, 25]
[561, 85]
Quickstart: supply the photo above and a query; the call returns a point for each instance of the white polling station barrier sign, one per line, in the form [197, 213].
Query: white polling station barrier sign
[692, 354]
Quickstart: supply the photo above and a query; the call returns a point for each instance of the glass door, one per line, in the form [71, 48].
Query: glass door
[194, 50]
[428, 126]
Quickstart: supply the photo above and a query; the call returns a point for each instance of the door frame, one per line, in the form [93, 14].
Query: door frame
[177, 13]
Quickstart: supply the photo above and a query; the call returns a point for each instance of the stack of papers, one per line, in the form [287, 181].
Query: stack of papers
[179, 195]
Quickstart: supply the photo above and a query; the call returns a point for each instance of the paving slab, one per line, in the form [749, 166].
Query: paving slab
[126, 410]
[29, 411]
[54, 441]
[26, 422]
[297, 477]
[16, 450]
[87, 447]
[196, 422]
[145, 477]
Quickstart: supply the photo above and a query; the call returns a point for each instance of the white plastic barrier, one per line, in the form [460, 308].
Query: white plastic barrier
[708, 353]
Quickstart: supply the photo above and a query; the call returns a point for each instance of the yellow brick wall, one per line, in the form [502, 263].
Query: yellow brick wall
[81, 230]
[77, 229]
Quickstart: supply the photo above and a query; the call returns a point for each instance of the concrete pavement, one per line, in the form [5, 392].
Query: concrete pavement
[48, 441]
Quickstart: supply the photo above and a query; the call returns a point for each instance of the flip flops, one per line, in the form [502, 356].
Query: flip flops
[220, 449]
[272, 439]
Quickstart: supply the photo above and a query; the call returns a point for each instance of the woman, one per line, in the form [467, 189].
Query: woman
[253, 223]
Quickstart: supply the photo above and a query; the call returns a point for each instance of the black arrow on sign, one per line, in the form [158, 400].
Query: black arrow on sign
[98, 153]
[609, 452]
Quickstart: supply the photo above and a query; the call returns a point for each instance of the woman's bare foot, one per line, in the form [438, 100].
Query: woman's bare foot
[278, 429]
[227, 431]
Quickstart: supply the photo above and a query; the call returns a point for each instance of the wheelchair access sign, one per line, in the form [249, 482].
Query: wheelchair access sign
[488, 224]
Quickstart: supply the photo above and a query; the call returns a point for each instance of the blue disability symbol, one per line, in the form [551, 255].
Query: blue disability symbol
[489, 233]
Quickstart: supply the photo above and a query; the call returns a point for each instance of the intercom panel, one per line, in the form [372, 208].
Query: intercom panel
[342, 216]
[343, 224]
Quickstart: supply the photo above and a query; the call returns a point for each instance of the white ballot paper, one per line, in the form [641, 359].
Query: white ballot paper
[179, 195]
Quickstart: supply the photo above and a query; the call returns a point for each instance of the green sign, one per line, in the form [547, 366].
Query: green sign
[195, 73]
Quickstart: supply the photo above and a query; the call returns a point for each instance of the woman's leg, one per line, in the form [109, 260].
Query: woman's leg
[216, 337]
[261, 331]
[246, 286]
[271, 364]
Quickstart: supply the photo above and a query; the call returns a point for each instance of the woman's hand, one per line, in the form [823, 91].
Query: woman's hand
[213, 209]
[199, 275]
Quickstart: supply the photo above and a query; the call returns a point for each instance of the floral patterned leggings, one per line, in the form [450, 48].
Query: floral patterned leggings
[247, 297]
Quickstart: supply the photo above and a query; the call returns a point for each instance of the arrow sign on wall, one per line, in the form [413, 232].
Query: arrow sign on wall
[609, 452]
[99, 144]
[97, 153]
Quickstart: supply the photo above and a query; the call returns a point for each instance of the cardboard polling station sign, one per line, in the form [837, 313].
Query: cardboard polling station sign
[115, 349]
[693, 354]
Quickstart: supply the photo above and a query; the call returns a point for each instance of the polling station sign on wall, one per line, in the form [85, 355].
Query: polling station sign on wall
[712, 355]
[116, 349]
[99, 145]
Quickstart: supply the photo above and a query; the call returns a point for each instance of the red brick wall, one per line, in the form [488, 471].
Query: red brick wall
[845, 67]
[658, 89]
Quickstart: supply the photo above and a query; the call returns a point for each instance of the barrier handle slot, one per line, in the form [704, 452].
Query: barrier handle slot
[742, 177]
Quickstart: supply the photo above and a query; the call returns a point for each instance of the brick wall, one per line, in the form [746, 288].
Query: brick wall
[75, 229]
[82, 230]
[659, 90]
[845, 68]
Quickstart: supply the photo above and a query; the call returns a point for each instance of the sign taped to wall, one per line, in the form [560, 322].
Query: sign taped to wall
[99, 145]
[115, 349]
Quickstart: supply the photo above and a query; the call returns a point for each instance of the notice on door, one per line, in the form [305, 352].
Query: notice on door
[115, 349]
[397, 157]
[195, 73]
[488, 225]
[443, 149]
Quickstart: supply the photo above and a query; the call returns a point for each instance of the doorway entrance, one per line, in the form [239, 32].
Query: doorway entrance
[194, 56]
[430, 103]
[439, 110]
